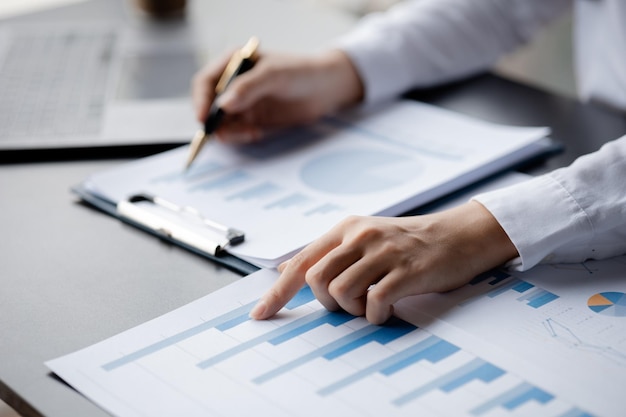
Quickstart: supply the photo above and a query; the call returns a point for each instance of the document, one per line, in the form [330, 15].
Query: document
[547, 342]
[286, 191]
[566, 323]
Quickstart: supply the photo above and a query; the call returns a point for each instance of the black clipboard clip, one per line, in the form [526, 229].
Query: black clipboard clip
[184, 224]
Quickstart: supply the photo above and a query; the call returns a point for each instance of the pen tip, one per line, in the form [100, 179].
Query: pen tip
[194, 148]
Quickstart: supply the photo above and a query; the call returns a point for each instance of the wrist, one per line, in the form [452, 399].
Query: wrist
[488, 243]
[473, 236]
[342, 83]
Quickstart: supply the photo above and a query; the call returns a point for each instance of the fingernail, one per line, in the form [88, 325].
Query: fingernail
[258, 311]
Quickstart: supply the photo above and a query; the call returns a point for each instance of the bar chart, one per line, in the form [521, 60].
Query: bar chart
[562, 320]
[305, 362]
[504, 283]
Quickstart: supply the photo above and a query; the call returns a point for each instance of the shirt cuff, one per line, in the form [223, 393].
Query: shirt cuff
[539, 216]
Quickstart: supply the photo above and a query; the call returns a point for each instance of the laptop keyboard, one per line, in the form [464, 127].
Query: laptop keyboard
[54, 84]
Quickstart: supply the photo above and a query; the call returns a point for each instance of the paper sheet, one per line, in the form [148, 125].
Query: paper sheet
[549, 342]
[566, 323]
[285, 192]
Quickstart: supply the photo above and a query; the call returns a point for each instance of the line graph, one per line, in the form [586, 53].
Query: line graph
[565, 335]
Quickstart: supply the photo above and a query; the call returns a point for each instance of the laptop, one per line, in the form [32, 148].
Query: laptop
[86, 85]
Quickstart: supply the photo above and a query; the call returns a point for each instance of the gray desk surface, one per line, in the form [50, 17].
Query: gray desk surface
[71, 276]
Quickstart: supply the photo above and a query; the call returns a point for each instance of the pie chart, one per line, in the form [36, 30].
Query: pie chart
[358, 171]
[608, 304]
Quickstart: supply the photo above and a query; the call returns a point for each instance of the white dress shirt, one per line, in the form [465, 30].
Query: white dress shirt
[570, 215]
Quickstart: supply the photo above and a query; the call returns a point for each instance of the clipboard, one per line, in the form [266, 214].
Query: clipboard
[190, 238]
[286, 191]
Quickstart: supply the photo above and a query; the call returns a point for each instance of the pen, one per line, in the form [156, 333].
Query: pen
[241, 61]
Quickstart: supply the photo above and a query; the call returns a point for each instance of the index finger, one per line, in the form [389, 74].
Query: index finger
[292, 278]
[283, 290]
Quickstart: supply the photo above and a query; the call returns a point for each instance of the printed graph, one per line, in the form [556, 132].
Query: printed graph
[504, 283]
[258, 191]
[358, 171]
[195, 171]
[330, 361]
[608, 303]
[223, 181]
[564, 334]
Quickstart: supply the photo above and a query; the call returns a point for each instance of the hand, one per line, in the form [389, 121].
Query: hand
[365, 264]
[279, 91]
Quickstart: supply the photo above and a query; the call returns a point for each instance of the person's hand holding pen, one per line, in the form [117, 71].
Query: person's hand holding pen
[364, 264]
[281, 90]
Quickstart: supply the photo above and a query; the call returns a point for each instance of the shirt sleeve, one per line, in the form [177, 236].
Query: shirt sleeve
[569, 215]
[425, 42]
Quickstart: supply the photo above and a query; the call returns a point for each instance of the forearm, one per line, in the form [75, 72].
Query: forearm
[421, 43]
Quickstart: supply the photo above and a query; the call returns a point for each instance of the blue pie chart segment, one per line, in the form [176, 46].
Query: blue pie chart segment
[359, 171]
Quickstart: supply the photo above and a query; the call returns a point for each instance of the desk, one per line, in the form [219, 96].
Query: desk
[71, 276]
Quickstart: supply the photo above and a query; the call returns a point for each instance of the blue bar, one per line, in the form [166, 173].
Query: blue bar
[531, 294]
[307, 322]
[500, 276]
[258, 191]
[576, 412]
[179, 337]
[533, 393]
[542, 300]
[290, 200]
[333, 318]
[224, 181]
[513, 398]
[414, 352]
[304, 296]
[504, 288]
[433, 354]
[486, 373]
[523, 286]
[391, 331]
[222, 323]
[475, 369]
[233, 322]
[323, 209]
[317, 353]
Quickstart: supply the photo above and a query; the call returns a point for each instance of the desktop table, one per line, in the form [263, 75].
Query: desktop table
[71, 276]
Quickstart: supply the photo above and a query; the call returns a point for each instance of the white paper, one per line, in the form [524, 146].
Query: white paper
[489, 356]
[285, 192]
[565, 323]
